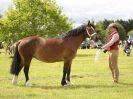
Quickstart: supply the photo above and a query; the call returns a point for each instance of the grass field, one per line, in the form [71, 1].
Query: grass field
[90, 80]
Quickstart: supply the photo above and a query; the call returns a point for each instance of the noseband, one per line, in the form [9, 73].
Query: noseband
[90, 35]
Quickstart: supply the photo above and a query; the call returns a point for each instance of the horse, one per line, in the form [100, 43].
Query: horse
[10, 49]
[50, 50]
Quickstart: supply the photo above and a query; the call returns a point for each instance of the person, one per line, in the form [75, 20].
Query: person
[113, 50]
[127, 45]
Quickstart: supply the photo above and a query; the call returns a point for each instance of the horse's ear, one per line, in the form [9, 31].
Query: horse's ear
[89, 23]
[92, 22]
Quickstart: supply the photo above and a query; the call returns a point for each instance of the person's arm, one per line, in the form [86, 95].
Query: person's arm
[111, 42]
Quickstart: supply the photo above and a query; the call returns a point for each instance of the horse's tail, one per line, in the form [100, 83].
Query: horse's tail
[15, 66]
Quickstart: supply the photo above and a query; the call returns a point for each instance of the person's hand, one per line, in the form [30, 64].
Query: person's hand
[105, 51]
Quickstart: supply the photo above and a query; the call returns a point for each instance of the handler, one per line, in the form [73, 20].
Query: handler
[113, 50]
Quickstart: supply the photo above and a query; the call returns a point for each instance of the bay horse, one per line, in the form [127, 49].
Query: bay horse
[50, 50]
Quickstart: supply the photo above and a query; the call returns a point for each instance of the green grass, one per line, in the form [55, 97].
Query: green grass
[90, 80]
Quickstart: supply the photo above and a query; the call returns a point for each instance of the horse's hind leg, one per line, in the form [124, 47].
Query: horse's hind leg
[26, 72]
[15, 78]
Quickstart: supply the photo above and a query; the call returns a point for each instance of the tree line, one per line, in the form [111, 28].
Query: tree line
[45, 18]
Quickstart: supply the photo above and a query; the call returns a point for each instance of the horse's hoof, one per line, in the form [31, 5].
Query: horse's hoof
[67, 84]
[14, 80]
[28, 84]
[63, 83]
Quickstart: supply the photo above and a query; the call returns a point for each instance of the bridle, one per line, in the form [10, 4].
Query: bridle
[90, 35]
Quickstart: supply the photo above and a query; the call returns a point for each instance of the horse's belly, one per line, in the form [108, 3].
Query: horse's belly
[49, 58]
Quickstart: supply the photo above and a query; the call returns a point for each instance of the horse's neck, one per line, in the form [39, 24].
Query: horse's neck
[77, 40]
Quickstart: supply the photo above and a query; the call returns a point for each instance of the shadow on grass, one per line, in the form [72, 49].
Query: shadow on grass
[80, 86]
[73, 86]
[83, 76]
[127, 84]
[84, 55]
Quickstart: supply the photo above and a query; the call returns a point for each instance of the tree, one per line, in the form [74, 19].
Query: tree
[34, 17]
[124, 24]
[128, 25]
[130, 32]
[101, 31]
[121, 30]
[106, 23]
[0, 16]
[0, 29]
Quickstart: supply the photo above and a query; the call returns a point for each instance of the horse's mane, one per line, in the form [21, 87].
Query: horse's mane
[75, 32]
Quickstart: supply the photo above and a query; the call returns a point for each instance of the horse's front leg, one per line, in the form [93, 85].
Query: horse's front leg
[68, 74]
[65, 69]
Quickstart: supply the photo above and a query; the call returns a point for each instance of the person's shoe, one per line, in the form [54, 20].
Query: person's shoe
[115, 81]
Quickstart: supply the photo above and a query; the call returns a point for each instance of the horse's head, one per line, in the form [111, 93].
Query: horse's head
[90, 31]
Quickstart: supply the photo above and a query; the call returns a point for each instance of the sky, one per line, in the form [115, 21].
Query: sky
[83, 10]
